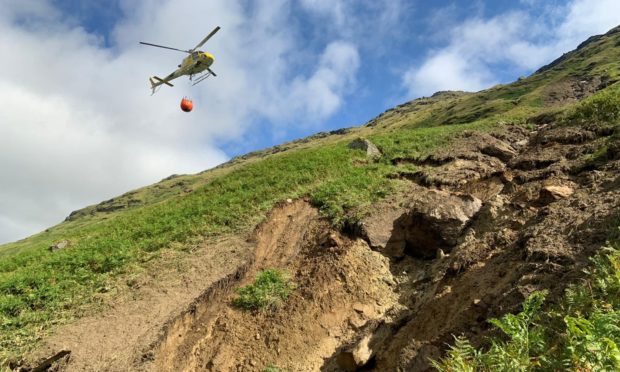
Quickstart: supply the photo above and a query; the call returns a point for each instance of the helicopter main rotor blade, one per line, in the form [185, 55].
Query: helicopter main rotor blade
[206, 38]
[165, 47]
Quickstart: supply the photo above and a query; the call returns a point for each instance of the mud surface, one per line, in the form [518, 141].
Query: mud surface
[482, 225]
[545, 213]
[341, 284]
[132, 319]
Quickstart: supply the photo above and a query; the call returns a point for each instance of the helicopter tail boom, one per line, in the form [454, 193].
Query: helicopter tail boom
[157, 81]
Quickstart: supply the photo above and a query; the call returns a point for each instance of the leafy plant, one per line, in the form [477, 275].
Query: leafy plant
[526, 340]
[603, 107]
[269, 289]
[583, 334]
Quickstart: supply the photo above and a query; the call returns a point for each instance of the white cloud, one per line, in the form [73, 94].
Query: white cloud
[332, 8]
[367, 23]
[523, 40]
[586, 18]
[335, 75]
[78, 124]
[446, 70]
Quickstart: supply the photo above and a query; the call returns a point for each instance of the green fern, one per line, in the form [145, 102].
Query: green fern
[462, 356]
[582, 334]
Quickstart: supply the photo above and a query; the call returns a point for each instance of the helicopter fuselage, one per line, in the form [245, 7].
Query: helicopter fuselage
[193, 64]
[197, 64]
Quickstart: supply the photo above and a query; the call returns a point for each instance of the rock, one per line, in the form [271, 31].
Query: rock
[521, 143]
[58, 246]
[535, 158]
[330, 239]
[507, 176]
[365, 145]
[459, 172]
[422, 361]
[499, 149]
[356, 357]
[551, 193]
[436, 220]
[379, 225]
[289, 201]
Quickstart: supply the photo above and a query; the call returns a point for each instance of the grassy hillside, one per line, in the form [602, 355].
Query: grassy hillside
[40, 288]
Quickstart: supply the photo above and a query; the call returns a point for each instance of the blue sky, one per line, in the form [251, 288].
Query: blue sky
[82, 127]
[416, 30]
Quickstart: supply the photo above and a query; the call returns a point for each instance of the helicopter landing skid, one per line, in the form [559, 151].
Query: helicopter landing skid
[195, 79]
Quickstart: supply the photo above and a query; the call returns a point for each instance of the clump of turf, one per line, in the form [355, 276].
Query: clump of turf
[269, 289]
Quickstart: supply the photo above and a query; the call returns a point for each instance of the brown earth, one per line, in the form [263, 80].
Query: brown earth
[132, 319]
[482, 225]
[521, 239]
[341, 284]
[446, 255]
[572, 89]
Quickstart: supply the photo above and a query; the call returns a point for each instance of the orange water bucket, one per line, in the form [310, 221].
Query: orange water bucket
[186, 104]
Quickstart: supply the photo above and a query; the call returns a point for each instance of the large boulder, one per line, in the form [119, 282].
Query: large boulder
[435, 220]
[367, 146]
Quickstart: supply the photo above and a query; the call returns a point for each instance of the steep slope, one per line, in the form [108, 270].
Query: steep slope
[372, 270]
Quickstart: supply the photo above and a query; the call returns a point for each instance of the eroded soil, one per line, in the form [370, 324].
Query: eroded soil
[482, 225]
[132, 319]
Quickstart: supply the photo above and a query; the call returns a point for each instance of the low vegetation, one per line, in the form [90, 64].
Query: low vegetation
[582, 334]
[269, 289]
[40, 289]
[603, 107]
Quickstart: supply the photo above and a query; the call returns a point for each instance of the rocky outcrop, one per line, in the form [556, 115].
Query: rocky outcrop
[484, 226]
[430, 220]
[367, 146]
[435, 220]
[551, 193]
[58, 246]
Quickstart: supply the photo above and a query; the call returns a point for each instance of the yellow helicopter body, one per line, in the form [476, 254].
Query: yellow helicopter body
[197, 65]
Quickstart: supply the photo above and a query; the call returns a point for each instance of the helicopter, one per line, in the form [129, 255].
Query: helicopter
[197, 65]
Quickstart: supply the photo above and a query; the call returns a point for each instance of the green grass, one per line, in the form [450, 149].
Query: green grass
[581, 334]
[40, 289]
[603, 107]
[270, 288]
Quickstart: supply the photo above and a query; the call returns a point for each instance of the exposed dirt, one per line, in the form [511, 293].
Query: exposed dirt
[341, 284]
[482, 225]
[521, 240]
[132, 320]
[446, 255]
[572, 89]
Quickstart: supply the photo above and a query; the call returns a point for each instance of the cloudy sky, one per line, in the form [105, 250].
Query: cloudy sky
[78, 124]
